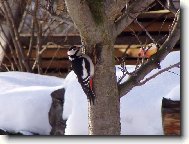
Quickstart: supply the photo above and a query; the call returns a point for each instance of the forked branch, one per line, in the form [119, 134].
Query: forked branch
[154, 61]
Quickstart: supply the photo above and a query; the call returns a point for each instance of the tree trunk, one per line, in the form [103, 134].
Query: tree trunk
[97, 35]
[104, 116]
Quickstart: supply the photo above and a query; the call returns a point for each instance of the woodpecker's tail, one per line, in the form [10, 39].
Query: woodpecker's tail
[90, 94]
[86, 86]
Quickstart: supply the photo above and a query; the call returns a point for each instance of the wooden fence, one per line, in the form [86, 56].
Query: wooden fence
[54, 57]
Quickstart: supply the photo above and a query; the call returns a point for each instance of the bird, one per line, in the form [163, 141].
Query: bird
[148, 51]
[83, 67]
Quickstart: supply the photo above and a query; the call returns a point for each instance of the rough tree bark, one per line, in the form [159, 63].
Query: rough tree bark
[17, 11]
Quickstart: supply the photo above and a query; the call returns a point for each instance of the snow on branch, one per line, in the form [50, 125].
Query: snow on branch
[154, 61]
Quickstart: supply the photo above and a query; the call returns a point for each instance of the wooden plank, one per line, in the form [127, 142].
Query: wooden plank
[151, 27]
[156, 14]
[171, 117]
[55, 64]
[48, 63]
[55, 38]
[60, 52]
[123, 38]
[49, 53]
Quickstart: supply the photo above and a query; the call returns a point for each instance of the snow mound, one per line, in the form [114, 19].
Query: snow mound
[174, 94]
[75, 107]
[25, 101]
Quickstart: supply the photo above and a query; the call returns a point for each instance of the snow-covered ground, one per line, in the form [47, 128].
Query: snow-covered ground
[25, 102]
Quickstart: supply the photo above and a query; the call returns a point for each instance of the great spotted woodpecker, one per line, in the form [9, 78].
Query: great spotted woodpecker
[83, 67]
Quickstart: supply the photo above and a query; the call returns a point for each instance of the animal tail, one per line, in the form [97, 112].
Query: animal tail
[90, 94]
[87, 88]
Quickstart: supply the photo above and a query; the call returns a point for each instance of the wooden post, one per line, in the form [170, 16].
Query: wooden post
[171, 117]
[55, 113]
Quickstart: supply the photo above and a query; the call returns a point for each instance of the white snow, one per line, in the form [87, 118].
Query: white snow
[174, 94]
[77, 112]
[25, 101]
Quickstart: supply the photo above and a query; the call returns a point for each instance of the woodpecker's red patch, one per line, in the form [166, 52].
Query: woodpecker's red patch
[91, 84]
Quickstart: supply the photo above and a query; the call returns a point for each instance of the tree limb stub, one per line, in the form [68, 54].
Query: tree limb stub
[154, 61]
[113, 8]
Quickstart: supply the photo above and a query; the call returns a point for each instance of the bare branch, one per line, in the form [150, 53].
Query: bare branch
[136, 8]
[147, 33]
[31, 40]
[5, 38]
[39, 46]
[53, 57]
[65, 19]
[23, 18]
[158, 73]
[154, 61]
[15, 36]
[12, 35]
[9, 59]
[38, 26]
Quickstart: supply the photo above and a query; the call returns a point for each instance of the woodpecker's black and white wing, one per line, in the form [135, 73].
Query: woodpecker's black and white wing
[86, 78]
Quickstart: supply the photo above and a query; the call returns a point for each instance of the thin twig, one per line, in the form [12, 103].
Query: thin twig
[15, 35]
[147, 33]
[4, 51]
[39, 45]
[31, 40]
[5, 38]
[153, 62]
[52, 59]
[169, 6]
[23, 18]
[39, 37]
[158, 73]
